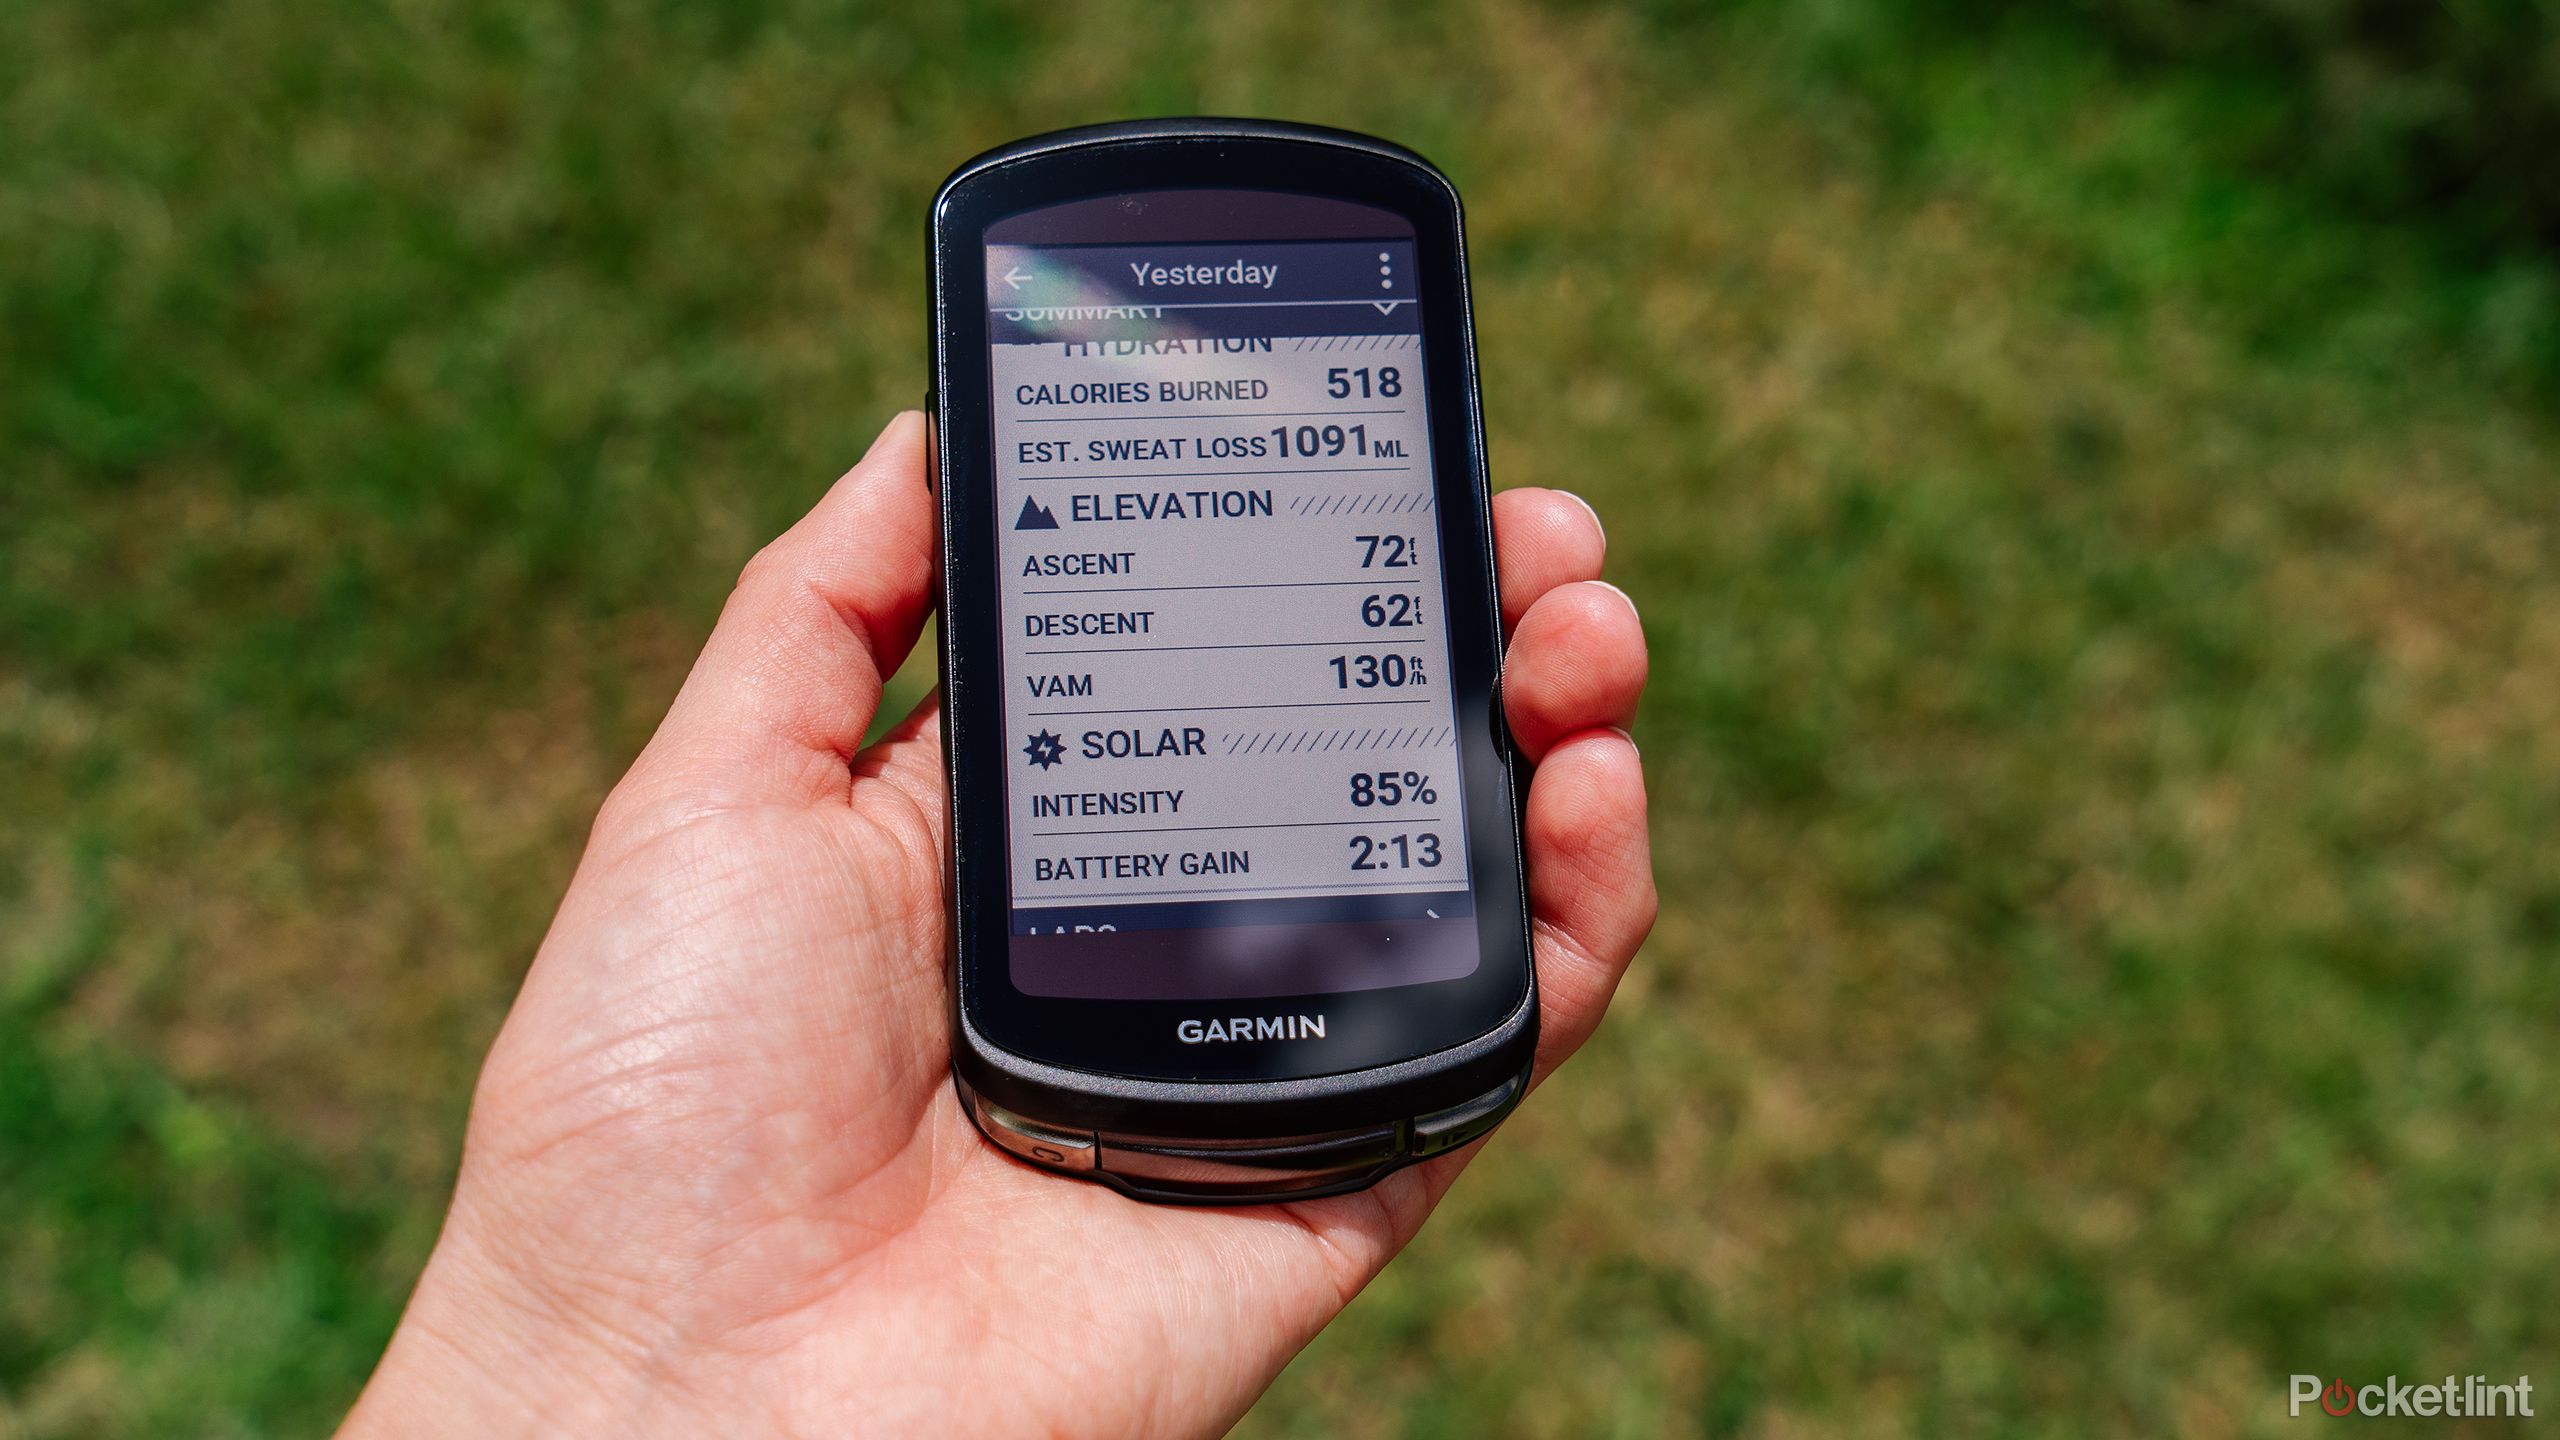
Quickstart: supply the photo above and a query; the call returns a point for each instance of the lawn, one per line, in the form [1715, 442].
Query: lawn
[2105, 725]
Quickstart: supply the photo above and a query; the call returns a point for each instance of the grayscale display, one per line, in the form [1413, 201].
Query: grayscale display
[1225, 653]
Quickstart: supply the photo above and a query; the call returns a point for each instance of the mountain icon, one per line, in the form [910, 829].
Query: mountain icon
[1035, 516]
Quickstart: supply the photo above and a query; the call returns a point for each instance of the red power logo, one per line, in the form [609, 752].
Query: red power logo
[2339, 1398]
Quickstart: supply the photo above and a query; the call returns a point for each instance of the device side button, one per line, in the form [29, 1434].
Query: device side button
[1444, 1130]
[1035, 1142]
[932, 442]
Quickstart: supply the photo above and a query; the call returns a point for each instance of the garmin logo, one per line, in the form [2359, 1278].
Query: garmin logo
[1252, 1027]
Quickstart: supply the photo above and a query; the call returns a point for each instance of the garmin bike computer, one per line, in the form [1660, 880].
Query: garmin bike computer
[1237, 910]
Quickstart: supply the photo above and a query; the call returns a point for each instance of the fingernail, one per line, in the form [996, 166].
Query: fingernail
[1588, 510]
[874, 447]
[1621, 594]
[1622, 733]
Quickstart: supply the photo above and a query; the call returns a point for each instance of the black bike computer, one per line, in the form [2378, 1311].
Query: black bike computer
[1237, 910]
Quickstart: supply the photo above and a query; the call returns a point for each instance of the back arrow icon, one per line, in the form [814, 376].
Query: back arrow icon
[1015, 276]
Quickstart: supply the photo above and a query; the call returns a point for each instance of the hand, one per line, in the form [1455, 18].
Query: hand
[716, 1181]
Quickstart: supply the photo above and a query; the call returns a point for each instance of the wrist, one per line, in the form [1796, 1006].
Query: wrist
[483, 1350]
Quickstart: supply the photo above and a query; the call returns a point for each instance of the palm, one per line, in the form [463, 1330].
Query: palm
[720, 1112]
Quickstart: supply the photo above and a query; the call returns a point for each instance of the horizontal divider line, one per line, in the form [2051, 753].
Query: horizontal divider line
[1172, 649]
[1398, 819]
[1227, 474]
[1190, 709]
[1221, 415]
[1228, 585]
[1425, 885]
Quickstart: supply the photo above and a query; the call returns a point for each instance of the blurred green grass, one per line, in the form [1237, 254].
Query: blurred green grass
[2106, 674]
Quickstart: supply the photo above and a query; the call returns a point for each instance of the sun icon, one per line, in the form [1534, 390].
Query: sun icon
[1046, 750]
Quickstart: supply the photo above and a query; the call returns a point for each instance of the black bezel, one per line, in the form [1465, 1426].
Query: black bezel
[1117, 1063]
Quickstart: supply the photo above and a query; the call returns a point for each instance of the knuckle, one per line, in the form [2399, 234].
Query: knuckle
[626, 812]
[772, 563]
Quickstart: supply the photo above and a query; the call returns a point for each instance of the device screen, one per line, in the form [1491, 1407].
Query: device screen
[1233, 754]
